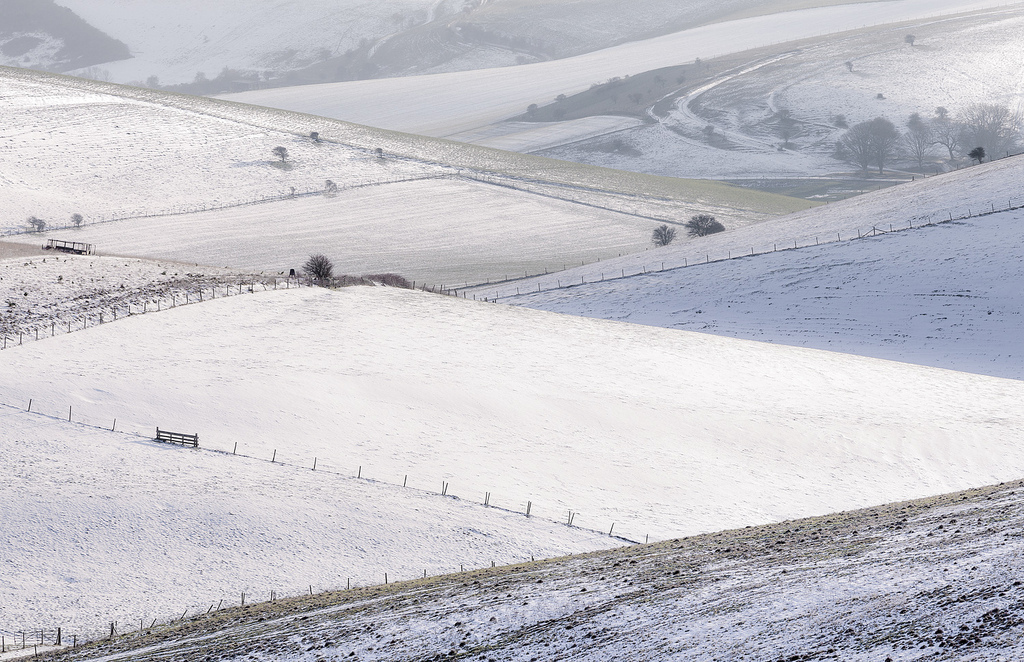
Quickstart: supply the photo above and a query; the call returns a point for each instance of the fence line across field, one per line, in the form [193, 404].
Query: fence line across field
[57, 637]
[673, 263]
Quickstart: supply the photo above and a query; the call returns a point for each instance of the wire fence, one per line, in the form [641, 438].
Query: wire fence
[675, 261]
[44, 639]
[175, 296]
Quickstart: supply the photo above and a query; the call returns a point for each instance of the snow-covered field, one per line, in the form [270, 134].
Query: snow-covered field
[658, 431]
[990, 186]
[451, 103]
[936, 579]
[945, 296]
[444, 232]
[107, 151]
[956, 62]
[100, 526]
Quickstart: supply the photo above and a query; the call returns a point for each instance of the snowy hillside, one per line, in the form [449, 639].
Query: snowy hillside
[43, 35]
[450, 103]
[935, 579]
[277, 42]
[564, 412]
[431, 207]
[944, 296]
[101, 526]
[956, 62]
[175, 40]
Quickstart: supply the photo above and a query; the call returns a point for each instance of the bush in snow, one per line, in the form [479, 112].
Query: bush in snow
[319, 267]
[702, 225]
[663, 235]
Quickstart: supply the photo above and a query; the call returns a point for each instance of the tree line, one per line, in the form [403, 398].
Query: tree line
[979, 131]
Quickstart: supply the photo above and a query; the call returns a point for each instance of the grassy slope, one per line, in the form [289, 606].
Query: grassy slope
[933, 578]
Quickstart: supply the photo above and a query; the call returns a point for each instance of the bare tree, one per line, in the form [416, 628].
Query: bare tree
[918, 140]
[849, 65]
[663, 235]
[868, 143]
[910, 39]
[77, 220]
[330, 189]
[319, 267]
[855, 146]
[994, 127]
[947, 133]
[281, 153]
[702, 225]
[36, 223]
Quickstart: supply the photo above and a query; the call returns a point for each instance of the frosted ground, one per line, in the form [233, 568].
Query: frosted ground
[988, 187]
[957, 62]
[102, 526]
[428, 208]
[934, 579]
[450, 103]
[564, 412]
[945, 295]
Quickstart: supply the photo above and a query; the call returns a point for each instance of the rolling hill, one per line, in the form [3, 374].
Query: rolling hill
[451, 103]
[434, 207]
[942, 295]
[650, 431]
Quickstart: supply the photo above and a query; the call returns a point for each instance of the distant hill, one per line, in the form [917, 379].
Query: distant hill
[38, 34]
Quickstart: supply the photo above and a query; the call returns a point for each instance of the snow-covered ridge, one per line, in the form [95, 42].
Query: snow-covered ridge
[931, 579]
[451, 103]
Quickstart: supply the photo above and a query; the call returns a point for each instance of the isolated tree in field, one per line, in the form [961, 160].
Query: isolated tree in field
[702, 225]
[663, 235]
[330, 189]
[77, 220]
[281, 153]
[910, 39]
[868, 143]
[849, 65]
[36, 223]
[314, 136]
[978, 154]
[994, 127]
[918, 140]
[319, 266]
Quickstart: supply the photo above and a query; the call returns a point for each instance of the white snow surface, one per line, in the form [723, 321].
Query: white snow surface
[113, 152]
[441, 231]
[101, 526]
[661, 432]
[988, 187]
[945, 296]
[451, 103]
